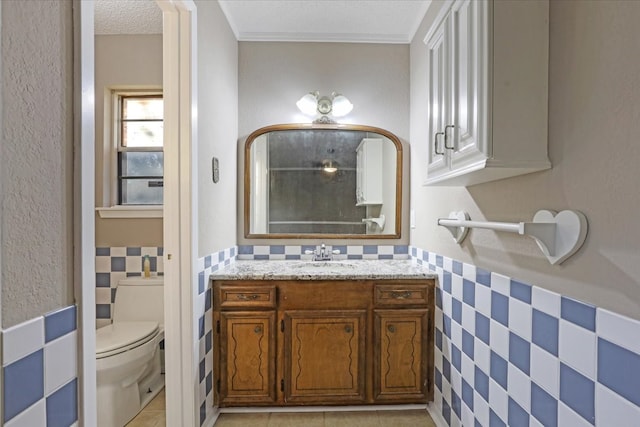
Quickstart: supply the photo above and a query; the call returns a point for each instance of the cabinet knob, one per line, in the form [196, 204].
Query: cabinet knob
[348, 329]
[391, 328]
[258, 329]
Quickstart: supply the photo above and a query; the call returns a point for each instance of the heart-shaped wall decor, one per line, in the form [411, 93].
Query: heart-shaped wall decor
[570, 233]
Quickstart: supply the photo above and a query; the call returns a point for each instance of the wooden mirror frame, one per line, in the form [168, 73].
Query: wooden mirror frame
[303, 126]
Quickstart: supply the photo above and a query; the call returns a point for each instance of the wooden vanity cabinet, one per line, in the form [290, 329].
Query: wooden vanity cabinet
[323, 342]
[324, 356]
[403, 342]
[245, 339]
[247, 357]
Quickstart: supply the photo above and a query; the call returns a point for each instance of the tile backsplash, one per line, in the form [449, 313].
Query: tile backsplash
[115, 263]
[509, 353]
[296, 252]
[40, 371]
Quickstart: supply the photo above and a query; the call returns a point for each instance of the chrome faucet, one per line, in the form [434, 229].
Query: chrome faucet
[322, 254]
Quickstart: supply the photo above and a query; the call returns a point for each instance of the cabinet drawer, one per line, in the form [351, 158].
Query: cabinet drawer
[241, 296]
[401, 294]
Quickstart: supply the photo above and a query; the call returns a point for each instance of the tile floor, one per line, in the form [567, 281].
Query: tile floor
[409, 418]
[153, 415]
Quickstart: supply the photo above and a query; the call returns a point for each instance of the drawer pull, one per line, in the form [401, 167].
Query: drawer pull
[258, 330]
[401, 295]
[243, 297]
[391, 328]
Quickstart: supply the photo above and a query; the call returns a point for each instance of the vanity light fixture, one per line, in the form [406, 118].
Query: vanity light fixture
[336, 104]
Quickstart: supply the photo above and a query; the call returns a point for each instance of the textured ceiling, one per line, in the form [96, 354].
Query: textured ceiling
[127, 17]
[374, 21]
[377, 21]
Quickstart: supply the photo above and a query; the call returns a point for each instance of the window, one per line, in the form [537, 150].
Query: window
[139, 141]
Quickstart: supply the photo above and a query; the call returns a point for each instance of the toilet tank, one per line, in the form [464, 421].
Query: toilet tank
[139, 298]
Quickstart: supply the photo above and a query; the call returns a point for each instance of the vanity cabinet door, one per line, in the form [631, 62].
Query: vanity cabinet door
[247, 357]
[400, 355]
[324, 356]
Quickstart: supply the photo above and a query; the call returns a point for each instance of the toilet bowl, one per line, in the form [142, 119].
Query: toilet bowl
[128, 370]
[128, 361]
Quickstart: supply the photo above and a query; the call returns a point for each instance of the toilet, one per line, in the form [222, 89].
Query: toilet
[128, 360]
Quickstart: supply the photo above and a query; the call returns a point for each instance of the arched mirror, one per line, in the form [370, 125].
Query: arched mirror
[322, 181]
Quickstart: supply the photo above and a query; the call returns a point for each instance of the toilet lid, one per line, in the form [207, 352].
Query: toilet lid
[122, 336]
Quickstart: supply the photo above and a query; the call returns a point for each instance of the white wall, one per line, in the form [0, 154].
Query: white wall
[274, 75]
[217, 129]
[37, 154]
[594, 129]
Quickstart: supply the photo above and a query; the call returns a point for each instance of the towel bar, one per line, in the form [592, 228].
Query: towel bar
[559, 235]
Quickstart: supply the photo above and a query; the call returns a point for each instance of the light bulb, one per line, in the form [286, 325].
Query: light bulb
[329, 167]
[341, 106]
[308, 104]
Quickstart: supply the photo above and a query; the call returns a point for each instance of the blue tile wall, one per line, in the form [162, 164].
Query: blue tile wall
[579, 313]
[578, 392]
[59, 323]
[543, 406]
[510, 353]
[34, 393]
[545, 331]
[24, 384]
[204, 317]
[619, 369]
[62, 410]
[115, 263]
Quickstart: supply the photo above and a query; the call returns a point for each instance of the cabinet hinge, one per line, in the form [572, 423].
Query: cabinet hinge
[218, 386]
[282, 385]
[218, 326]
[282, 325]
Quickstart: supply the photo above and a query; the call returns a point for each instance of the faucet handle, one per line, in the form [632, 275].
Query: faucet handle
[309, 252]
[336, 251]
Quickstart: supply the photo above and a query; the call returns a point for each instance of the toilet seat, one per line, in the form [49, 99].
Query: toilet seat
[123, 336]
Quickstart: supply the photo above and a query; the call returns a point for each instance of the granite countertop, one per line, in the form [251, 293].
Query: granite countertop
[323, 270]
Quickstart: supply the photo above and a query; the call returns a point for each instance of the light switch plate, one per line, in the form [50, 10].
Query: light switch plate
[215, 170]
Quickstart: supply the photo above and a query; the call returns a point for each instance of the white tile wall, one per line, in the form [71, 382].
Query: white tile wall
[545, 370]
[597, 367]
[60, 364]
[35, 370]
[23, 339]
[36, 415]
[616, 328]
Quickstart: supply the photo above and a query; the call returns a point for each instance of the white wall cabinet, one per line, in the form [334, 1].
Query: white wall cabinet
[487, 69]
[369, 172]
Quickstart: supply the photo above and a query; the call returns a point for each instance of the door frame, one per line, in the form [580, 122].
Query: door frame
[180, 208]
[84, 208]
